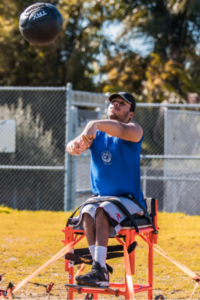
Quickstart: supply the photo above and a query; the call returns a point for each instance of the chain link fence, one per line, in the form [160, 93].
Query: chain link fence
[32, 172]
[170, 156]
[37, 173]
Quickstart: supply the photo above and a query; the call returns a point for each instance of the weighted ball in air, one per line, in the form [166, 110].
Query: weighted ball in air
[40, 23]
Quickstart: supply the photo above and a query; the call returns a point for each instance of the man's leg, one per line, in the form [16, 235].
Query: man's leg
[102, 236]
[89, 228]
[102, 228]
[99, 274]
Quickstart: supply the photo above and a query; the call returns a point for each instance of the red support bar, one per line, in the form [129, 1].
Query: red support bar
[93, 290]
[127, 242]
[132, 254]
[117, 285]
[68, 239]
[150, 267]
[143, 289]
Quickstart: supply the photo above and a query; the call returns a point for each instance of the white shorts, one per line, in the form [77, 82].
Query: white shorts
[113, 212]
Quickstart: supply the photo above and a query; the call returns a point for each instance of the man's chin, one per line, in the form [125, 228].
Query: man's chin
[113, 117]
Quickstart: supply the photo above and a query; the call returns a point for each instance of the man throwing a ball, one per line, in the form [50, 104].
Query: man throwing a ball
[115, 146]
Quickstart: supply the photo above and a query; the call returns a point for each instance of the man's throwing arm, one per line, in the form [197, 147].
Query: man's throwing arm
[131, 132]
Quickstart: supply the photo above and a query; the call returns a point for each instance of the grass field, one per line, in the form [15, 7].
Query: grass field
[28, 239]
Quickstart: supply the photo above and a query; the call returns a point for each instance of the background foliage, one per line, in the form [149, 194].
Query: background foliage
[85, 50]
[95, 52]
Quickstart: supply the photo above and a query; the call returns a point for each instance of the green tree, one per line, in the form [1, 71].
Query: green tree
[165, 78]
[69, 58]
[125, 71]
[174, 65]
[173, 24]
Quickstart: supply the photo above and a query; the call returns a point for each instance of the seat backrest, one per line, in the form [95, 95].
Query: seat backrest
[151, 207]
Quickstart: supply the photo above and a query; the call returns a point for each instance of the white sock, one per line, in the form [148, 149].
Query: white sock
[100, 255]
[92, 250]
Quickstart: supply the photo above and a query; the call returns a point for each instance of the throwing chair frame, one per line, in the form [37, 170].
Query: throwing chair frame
[126, 238]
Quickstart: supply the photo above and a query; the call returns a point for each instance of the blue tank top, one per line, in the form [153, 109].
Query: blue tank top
[115, 167]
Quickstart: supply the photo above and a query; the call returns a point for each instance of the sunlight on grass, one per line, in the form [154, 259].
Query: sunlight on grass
[5, 209]
[29, 239]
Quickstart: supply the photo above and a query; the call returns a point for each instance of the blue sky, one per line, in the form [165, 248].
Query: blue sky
[141, 45]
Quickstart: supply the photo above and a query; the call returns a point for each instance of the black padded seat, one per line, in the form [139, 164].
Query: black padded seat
[140, 221]
[126, 224]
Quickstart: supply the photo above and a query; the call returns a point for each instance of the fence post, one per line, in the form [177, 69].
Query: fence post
[107, 103]
[67, 155]
[73, 159]
[165, 200]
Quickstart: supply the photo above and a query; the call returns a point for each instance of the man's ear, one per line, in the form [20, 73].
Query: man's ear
[131, 114]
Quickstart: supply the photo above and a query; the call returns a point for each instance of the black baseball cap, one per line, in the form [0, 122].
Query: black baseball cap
[126, 96]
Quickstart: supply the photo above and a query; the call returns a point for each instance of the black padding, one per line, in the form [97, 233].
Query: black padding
[78, 259]
[151, 206]
[132, 247]
[88, 259]
[82, 251]
[69, 222]
[114, 201]
[115, 248]
[141, 221]
[114, 255]
[85, 251]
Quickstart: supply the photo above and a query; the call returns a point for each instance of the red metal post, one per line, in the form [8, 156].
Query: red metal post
[69, 234]
[95, 296]
[68, 239]
[150, 266]
[127, 241]
[132, 255]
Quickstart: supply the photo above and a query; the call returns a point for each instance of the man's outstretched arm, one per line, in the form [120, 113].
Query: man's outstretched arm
[130, 132]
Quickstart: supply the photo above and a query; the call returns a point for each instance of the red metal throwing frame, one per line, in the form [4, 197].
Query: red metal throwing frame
[146, 233]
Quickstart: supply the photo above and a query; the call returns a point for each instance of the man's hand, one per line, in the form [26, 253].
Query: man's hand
[83, 141]
[89, 133]
[78, 146]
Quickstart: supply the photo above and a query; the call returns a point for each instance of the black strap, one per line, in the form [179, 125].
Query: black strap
[130, 197]
[86, 251]
[78, 259]
[116, 202]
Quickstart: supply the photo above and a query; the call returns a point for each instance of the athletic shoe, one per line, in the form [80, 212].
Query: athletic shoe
[98, 276]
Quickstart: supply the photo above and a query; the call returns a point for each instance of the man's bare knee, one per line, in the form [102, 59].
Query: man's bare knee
[87, 218]
[100, 211]
[101, 217]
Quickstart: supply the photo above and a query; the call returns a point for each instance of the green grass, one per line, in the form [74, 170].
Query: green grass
[28, 239]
